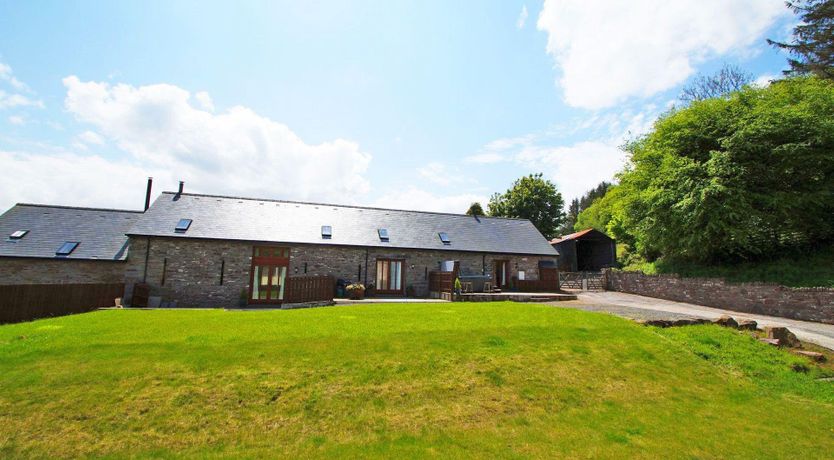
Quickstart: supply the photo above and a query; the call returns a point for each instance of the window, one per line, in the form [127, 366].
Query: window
[444, 237]
[383, 234]
[389, 276]
[66, 248]
[326, 232]
[18, 234]
[182, 225]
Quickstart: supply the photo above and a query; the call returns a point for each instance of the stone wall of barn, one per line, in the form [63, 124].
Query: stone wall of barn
[59, 271]
[191, 268]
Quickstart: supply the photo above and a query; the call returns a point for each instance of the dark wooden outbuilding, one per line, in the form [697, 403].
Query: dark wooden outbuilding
[588, 250]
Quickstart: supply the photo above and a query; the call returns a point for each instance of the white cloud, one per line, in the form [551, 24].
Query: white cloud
[18, 120]
[608, 52]
[765, 80]
[83, 180]
[236, 152]
[522, 17]
[420, 200]
[438, 173]
[6, 74]
[17, 100]
[435, 172]
[89, 137]
[575, 168]
[485, 158]
[205, 101]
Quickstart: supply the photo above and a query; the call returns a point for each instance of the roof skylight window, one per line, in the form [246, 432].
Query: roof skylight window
[67, 248]
[18, 234]
[444, 237]
[326, 232]
[383, 234]
[182, 225]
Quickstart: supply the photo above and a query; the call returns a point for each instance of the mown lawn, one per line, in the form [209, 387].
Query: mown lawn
[407, 380]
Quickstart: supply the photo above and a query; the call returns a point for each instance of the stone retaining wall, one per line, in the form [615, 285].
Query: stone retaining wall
[809, 304]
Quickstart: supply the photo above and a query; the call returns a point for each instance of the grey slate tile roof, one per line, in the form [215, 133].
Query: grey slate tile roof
[246, 219]
[100, 232]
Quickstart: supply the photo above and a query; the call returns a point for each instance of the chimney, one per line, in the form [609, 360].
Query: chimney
[148, 194]
[179, 192]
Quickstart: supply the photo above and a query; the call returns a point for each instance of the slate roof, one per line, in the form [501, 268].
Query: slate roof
[246, 219]
[100, 232]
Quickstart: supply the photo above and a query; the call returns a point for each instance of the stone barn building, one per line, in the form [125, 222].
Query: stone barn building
[219, 251]
[63, 245]
[587, 251]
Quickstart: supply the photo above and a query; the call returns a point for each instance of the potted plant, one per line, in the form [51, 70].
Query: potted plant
[356, 291]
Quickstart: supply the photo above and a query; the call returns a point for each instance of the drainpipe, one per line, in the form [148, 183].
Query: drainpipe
[147, 254]
[366, 268]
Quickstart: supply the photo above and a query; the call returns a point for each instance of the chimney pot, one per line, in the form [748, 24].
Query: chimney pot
[179, 192]
[148, 194]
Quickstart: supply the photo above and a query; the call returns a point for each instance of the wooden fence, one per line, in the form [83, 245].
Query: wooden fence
[536, 285]
[25, 302]
[440, 281]
[309, 289]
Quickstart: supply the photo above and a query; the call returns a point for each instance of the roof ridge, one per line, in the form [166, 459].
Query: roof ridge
[312, 203]
[80, 208]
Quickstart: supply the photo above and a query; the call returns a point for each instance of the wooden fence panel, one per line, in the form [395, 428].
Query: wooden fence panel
[309, 289]
[25, 302]
[440, 281]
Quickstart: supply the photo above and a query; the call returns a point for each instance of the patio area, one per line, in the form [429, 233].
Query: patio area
[516, 296]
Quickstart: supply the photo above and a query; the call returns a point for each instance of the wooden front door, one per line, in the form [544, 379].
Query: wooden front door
[268, 275]
[502, 274]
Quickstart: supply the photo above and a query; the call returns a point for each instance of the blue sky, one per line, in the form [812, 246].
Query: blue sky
[424, 104]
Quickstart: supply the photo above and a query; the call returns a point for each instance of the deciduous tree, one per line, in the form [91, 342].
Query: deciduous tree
[531, 197]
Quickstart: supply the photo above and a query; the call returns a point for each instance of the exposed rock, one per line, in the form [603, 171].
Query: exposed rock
[658, 322]
[774, 342]
[726, 321]
[684, 322]
[747, 325]
[784, 335]
[813, 355]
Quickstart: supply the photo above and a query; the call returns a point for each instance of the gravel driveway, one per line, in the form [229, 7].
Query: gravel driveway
[639, 307]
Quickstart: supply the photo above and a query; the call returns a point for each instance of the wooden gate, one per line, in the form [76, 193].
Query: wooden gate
[586, 281]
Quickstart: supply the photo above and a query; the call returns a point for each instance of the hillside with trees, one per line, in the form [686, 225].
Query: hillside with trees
[747, 177]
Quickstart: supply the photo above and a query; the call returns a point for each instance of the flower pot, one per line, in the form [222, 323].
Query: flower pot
[356, 294]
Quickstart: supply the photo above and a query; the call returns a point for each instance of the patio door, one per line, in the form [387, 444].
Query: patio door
[502, 273]
[389, 276]
[269, 275]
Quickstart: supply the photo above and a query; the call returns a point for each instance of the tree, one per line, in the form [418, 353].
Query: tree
[577, 205]
[570, 218]
[729, 179]
[813, 39]
[730, 78]
[475, 209]
[531, 197]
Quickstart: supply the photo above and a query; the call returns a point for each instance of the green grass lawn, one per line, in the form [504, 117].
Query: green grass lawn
[404, 380]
